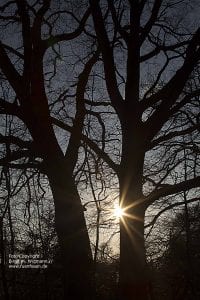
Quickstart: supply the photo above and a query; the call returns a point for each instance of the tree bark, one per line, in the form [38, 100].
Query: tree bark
[72, 235]
[134, 281]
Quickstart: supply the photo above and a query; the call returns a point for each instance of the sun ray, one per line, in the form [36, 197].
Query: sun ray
[132, 216]
[131, 231]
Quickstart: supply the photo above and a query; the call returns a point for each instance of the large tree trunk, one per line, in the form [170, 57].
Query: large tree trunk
[72, 235]
[134, 282]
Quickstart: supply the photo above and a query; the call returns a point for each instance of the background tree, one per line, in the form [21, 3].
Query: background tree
[176, 272]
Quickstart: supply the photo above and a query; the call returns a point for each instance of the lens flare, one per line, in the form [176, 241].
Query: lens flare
[118, 212]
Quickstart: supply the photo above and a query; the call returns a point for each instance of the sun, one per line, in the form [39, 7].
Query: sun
[118, 212]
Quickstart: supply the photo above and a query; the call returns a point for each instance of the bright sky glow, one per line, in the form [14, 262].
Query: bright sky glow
[118, 212]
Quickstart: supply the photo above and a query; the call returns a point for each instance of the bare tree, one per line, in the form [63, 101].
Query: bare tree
[30, 30]
[151, 67]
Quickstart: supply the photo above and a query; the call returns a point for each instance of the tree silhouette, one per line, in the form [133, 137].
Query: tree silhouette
[154, 108]
[177, 269]
[33, 142]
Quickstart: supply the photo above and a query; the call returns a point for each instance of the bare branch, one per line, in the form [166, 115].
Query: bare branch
[173, 189]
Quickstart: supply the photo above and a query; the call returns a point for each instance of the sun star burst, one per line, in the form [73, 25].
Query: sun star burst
[118, 212]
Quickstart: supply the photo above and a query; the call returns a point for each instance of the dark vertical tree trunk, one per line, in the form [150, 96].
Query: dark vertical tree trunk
[134, 282]
[72, 235]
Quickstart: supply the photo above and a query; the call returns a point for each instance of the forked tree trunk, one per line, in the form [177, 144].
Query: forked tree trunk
[72, 235]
